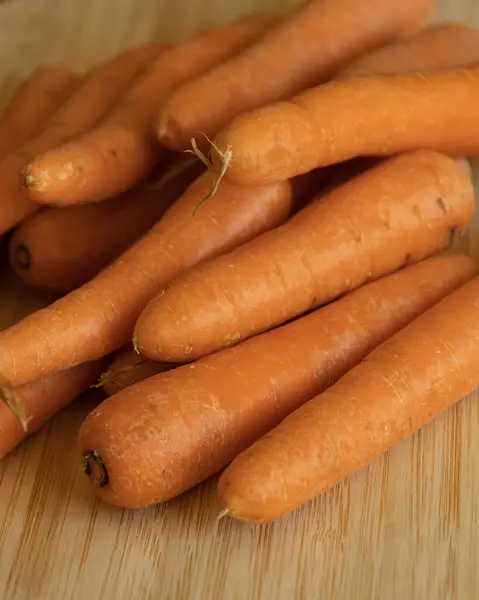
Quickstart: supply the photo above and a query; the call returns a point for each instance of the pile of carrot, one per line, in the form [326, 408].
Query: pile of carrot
[250, 236]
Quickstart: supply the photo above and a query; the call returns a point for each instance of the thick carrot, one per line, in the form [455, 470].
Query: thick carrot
[380, 115]
[403, 384]
[322, 37]
[123, 149]
[93, 98]
[129, 368]
[32, 104]
[399, 212]
[36, 402]
[176, 429]
[63, 248]
[99, 317]
[442, 46]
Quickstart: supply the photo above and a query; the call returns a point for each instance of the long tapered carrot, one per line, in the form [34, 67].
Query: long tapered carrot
[32, 104]
[99, 317]
[402, 385]
[318, 40]
[197, 418]
[442, 46]
[94, 97]
[36, 402]
[129, 368]
[123, 149]
[397, 213]
[63, 248]
[380, 115]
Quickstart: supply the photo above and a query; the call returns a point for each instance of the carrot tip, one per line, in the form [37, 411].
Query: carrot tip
[10, 399]
[94, 467]
[22, 257]
[102, 380]
[225, 157]
[222, 514]
[135, 342]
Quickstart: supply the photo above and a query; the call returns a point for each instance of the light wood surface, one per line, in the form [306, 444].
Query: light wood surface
[406, 527]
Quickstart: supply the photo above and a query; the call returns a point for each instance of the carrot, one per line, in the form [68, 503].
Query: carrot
[63, 248]
[129, 368]
[379, 115]
[399, 212]
[442, 46]
[322, 37]
[123, 149]
[92, 99]
[99, 317]
[403, 384]
[35, 402]
[33, 102]
[197, 418]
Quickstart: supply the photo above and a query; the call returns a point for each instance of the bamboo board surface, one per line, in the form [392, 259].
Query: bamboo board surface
[406, 527]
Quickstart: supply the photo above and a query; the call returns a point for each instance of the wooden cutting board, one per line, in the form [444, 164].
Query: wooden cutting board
[406, 527]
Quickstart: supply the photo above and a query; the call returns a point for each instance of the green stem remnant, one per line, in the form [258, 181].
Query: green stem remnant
[94, 467]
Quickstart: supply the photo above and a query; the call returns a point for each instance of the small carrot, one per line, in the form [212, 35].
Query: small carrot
[322, 37]
[442, 46]
[36, 402]
[99, 317]
[123, 148]
[129, 368]
[403, 384]
[399, 212]
[176, 429]
[388, 114]
[63, 248]
[32, 104]
[91, 100]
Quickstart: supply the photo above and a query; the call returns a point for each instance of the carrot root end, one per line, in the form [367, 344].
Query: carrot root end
[11, 400]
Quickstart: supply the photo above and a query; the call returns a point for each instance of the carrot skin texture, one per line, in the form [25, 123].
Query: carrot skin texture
[443, 46]
[41, 399]
[307, 49]
[176, 429]
[397, 213]
[33, 102]
[90, 101]
[99, 317]
[402, 385]
[436, 111]
[129, 368]
[118, 154]
[63, 248]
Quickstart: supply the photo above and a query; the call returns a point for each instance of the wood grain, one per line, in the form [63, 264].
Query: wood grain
[406, 527]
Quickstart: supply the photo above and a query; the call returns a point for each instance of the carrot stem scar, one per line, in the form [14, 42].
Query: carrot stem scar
[22, 257]
[94, 467]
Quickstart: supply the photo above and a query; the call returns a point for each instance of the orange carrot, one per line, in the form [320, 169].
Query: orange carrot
[129, 368]
[442, 46]
[32, 104]
[176, 429]
[92, 99]
[318, 40]
[399, 212]
[63, 248]
[403, 384]
[123, 149]
[35, 402]
[379, 115]
[99, 317]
